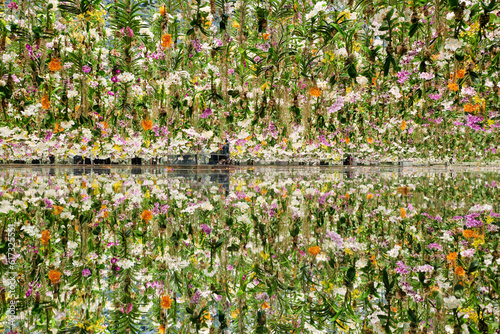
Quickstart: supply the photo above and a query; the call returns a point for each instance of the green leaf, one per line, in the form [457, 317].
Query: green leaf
[453, 3]
[351, 70]
[351, 274]
[387, 65]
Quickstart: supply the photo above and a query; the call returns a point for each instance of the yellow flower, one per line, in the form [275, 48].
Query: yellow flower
[403, 125]
[235, 25]
[264, 86]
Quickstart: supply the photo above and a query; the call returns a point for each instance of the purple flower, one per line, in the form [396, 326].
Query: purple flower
[114, 260]
[86, 272]
[196, 297]
[401, 268]
[230, 71]
[86, 69]
[114, 79]
[207, 229]
[336, 238]
[130, 306]
[257, 59]
[435, 97]
[434, 246]
[206, 113]
[403, 76]
[13, 5]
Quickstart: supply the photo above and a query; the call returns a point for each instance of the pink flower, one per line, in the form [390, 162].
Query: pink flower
[130, 32]
[86, 69]
[13, 5]
[130, 306]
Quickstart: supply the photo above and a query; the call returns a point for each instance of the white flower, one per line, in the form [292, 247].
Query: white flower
[66, 125]
[341, 52]
[72, 245]
[126, 77]
[450, 16]
[451, 302]
[453, 44]
[361, 263]
[72, 93]
[125, 264]
[361, 80]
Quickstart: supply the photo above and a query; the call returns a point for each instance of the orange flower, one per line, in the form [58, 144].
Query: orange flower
[370, 140]
[369, 196]
[347, 196]
[146, 215]
[471, 108]
[58, 210]
[54, 276]
[45, 102]
[166, 40]
[45, 237]
[58, 128]
[452, 257]
[459, 271]
[55, 65]
[460, 74]
[315, 250]
[147, 124]
[468, 233]
[453, 86]
[316, 92]
[166, 302]
[163, 10]
[266, 36]
[347, 140]
[265, 305]
[403, 125]
[161, 329]
[403, 213]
